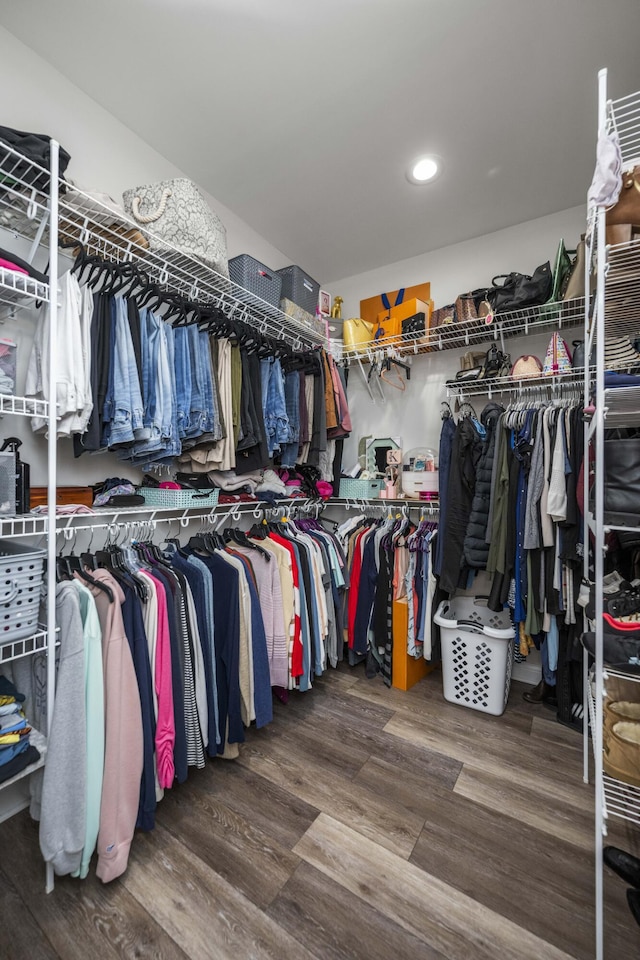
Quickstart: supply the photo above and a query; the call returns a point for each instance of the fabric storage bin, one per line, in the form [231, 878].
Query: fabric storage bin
[7, 483]
[477, 654]
[162, 497]
[360, 489]
[256, 278]
[300, 287]
[21, 577]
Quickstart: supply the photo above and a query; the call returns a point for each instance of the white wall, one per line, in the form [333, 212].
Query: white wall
[415, 414]
[105, 156]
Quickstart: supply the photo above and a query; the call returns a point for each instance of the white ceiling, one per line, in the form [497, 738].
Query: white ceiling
[302, 115]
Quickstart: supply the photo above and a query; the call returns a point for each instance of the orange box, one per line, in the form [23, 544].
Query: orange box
[392, 319]
[406, 671]
[371, 307]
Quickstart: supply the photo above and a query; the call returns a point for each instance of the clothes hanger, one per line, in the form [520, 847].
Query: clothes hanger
[385, 374]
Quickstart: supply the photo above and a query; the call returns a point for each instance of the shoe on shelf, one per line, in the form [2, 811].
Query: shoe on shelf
[624, 864]
[542, 693]
[621, 755]
[633, 899]
[619, 597]
[620, 645]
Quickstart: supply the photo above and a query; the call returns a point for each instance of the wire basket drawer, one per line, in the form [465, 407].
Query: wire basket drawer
[299, 287]
[360, 489]
[21, 577]
[256, 278]
[477, 654]
[161, 497]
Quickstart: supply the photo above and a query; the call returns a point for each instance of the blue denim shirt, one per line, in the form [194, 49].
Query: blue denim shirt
[125, 403]
[274, 409]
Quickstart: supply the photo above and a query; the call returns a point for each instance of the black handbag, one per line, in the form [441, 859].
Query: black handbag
[35, 147]
[496, 364]
[622, 480]
[519, 291]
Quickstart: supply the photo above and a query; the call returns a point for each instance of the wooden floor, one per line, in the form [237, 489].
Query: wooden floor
[364, 823]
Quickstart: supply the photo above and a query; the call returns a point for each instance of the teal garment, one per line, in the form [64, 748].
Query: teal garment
[94, 699]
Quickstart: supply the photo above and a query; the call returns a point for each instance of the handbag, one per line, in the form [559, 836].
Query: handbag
[496, 363]
[472, 359]
[465, 307]
[357, 334]
[519, 290]
[444, 316]
[35, 147]
[575, 281]
[561, 271]
[578, 355]
[622, 477]
[557, 358]
[178, 214]
[627, 209]
[526, 366]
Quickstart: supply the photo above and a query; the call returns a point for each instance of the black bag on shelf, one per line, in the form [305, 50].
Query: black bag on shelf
[36, 147]
[622, 479]
[519, 291]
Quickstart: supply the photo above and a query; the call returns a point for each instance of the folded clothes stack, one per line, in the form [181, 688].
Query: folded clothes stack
[16, 752]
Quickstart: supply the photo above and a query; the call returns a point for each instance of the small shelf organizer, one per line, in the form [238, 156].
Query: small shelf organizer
[616, 311]
[40, 208]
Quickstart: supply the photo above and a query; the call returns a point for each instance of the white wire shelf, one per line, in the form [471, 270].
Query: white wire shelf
[23, 406]
[621, 800]
[39, 741]
[622, 286]
[18, 289]
[113, 236]
[572, 382]
[622, 407]
[22, 526]
[426, 506]
[15, 649]
[624, 116]
[549, 316]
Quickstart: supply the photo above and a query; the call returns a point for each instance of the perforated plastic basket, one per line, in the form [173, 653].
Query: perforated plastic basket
[161, 497]
[477, 654]
[299, 287]
[256, 278]
[21, 574]
[365, 489]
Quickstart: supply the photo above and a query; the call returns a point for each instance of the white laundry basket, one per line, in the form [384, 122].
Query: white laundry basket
[477, 653]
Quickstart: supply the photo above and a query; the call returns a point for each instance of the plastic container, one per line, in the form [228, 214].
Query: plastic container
[477, 654]
[256, 278]
[21, 576]
[360, 489]
[163, 497]
[420, 477]
[299, 287]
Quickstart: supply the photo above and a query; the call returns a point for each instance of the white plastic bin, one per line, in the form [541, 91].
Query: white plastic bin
[477, 653]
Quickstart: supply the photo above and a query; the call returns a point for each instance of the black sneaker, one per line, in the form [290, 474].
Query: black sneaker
[620, 645]
[618, 603]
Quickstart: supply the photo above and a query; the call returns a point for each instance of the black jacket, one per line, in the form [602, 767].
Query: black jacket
[476, 549]
[465, 454]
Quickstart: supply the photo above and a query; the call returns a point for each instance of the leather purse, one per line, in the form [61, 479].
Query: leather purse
[444, 316]
[575, 282]
[627, 209]
[526, 366]
[472, 359]
[357, 334]
[518, 290]
[496, 363]
[622, 477]
[465, 307]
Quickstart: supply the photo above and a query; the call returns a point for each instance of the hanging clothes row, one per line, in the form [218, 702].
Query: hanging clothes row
[508, 506]
[166, 657]
[159, 379]
[388, 560]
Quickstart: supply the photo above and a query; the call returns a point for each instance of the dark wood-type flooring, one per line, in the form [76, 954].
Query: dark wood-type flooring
[364, 823]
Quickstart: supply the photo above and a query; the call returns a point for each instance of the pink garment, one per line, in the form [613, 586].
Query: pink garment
[267, 578]
[8, 265]
[344, 417]
[123, 757]
[165, 726]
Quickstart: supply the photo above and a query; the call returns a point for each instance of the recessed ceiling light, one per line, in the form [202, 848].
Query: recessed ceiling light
[424, 170]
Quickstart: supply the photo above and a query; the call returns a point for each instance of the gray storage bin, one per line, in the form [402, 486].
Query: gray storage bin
[299, 287]
[256, 278]
[21, 575]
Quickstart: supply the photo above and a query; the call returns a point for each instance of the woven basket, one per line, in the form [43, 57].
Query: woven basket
[161, 497]
[256, 278]
[360, 489]
[21, 574]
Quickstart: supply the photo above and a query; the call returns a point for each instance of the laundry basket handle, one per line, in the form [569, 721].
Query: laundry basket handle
[150, 217]
[12, 592]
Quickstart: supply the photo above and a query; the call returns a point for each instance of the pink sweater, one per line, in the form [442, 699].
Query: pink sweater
[123, 757]
[165, 726]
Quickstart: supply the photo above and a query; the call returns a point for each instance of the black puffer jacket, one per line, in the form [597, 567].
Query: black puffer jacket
[476, 550]
[465, 455]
